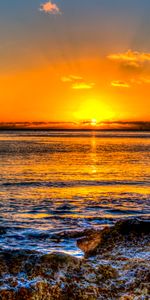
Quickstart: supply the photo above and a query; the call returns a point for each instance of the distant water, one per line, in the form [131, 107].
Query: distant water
[57, 182]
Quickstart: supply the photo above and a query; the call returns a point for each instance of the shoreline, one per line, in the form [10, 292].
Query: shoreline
[116, 265]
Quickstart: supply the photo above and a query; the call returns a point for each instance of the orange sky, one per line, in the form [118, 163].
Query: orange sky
[69, 78]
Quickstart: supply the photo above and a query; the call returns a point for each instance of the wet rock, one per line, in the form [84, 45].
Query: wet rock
[60, 259]
[14, 260]
[49, 265]
[107, 272]
[90, 243]
[7, 294]
[124, 231]
[122, 272]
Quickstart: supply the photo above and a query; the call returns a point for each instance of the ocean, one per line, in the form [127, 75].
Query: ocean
[55, 184]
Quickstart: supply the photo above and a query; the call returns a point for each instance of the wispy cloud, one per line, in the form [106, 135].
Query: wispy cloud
[119, 83]
[131, 60]
[130, 56]
[130, 82]
[145, 80]
[135, 62]
[82, 86]
[77, 82]
[140, 80]
[50, 8]
[71, 78]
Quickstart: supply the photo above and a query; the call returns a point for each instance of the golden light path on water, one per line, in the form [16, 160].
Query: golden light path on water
[66, 181]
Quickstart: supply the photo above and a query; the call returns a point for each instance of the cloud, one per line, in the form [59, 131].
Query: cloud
[71, 78]
[140, 80]
[66, 79]
[127, 84]
[131, 82]
[135, 62]
[145, 80]
[119, 83]
[134, 57]
[50, 8]
[131, 60]
[82, 86]
[77, 82]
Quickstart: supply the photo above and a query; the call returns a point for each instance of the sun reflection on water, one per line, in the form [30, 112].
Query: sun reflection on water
[60, 183]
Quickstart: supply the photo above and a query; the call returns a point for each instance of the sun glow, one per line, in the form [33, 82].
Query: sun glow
[95, 111]
[93, 122]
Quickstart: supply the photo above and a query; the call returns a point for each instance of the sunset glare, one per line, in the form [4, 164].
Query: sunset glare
[93, 122]
[67, 61]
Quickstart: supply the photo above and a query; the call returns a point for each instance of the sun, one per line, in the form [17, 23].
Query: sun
[93, 122]
[95, 111]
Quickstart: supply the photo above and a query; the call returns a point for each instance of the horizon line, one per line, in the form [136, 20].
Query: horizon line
[123, 125]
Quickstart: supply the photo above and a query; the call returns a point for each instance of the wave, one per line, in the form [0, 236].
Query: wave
[75, 183]
[77, 134]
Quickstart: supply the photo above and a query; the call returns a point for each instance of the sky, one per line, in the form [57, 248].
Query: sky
[75, 62]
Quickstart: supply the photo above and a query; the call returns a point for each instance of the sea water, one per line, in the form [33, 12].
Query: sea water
[57, 182]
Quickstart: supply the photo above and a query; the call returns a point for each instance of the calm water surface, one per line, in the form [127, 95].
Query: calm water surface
[55, 182]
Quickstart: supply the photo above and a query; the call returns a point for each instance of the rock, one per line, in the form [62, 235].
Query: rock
[107, 272]
[131, 230]
[14, 260]
[49, 265]
[110, 274]
[7, 294]
[89, 243]
[60, 259]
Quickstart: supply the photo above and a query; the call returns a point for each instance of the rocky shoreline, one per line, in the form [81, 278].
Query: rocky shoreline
[116, 265]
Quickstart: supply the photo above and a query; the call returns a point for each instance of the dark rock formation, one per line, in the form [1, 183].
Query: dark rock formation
[120, 268]
[126, 232]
